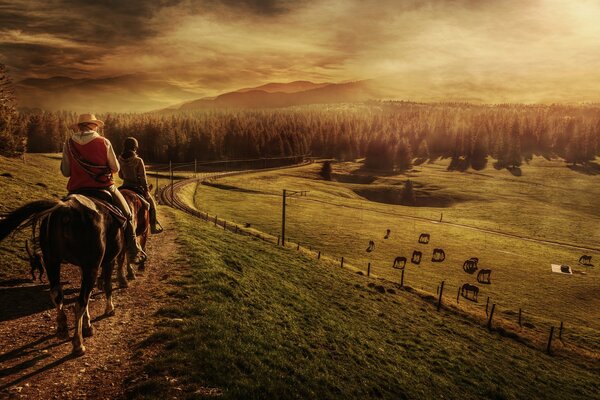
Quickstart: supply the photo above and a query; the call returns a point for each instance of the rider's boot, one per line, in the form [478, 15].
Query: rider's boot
[155, 226]
[135, 254]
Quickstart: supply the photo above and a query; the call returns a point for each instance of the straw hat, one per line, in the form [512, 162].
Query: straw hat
[87, 119]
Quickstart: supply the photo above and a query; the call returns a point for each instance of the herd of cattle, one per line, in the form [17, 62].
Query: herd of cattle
[470, 266]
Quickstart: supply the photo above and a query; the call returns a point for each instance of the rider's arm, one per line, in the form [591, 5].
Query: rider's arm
[141, 173]
[112, 157]
[65, 166]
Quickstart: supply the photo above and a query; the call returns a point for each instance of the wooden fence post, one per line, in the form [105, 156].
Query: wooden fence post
[549, 347]
[520, 312]
[458, 295]
[298, 248]
[215, 220]
[369, 270]
[560, 330]
[487, 304]
[439, 305]
[319, 256]
[402, 278]
[489, 324]
[224, 225]
[342, 263]
[278, 239]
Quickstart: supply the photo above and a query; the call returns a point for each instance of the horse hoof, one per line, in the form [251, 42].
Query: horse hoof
[123, 284]
[131, 277]
[87, 332]
[109, 313]
[142, 267]
[78, 351]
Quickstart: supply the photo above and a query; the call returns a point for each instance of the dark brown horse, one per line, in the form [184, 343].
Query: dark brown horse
[80, 231]
[140, 211]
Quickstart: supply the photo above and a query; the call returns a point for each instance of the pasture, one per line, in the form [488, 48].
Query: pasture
[252, 320]
[547, 202]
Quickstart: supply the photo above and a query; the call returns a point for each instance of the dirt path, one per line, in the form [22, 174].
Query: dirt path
[34, 364]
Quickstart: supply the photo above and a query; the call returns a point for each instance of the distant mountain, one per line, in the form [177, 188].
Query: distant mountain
[124, 93]
[290, 87]
[274, 95]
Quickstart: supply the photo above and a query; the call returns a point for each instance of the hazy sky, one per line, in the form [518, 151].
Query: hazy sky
[532, 50]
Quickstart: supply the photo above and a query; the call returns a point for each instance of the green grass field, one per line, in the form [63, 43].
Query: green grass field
[253, 320]
[548, 202]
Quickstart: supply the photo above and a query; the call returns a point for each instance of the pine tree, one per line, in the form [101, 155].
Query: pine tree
[11, 142]
[408, 194]
[326, 170]
[403, 156]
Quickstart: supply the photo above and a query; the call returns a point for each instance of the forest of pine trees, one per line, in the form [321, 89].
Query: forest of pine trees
[390, 135]
[12, 140]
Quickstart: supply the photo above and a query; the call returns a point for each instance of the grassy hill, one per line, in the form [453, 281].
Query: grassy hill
[38, 177]
[252, 320]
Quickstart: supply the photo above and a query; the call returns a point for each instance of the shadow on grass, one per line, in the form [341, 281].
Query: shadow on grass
[590, 168]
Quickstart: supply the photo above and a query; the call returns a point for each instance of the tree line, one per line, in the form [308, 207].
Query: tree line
[389, 135]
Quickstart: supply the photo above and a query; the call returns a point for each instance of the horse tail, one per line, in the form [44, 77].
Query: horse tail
[23, 216]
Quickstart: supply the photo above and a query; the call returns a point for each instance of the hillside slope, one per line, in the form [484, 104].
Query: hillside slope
[258, 321]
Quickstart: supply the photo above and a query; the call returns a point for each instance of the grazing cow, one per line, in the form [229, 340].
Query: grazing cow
[469, 292]
[424, 238]
[439, 255]
[585, 260]
[470, 266]
[36, 262]
[483, 276]
[387, 234]
[371, 246]
[416, 257]
[397, 262]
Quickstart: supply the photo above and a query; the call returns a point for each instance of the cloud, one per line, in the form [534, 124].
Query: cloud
[211, 46]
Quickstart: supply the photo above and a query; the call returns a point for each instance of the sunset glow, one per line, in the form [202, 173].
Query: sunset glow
[501, 51]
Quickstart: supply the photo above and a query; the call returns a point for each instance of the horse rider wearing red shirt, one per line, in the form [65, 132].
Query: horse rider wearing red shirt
[89, 162]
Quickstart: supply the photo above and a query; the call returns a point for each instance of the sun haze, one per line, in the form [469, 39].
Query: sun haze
[151, 54]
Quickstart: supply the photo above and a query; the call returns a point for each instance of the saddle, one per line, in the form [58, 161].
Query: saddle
[95, 198]
[139, 192]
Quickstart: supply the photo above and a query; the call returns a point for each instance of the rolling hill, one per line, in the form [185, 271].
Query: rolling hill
[297, 93]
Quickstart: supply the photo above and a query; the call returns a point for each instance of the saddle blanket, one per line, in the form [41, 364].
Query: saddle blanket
[94, 203]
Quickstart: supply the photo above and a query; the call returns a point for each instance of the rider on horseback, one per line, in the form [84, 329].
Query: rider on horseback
[89, 162]
[133, 173]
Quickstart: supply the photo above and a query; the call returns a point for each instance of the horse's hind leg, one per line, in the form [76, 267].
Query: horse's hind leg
[88, 278]
[120, 270]
[107, 272]
[87, 329]
[56, 293]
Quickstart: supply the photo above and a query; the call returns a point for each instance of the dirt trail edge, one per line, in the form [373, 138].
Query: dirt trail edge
[34, 364]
